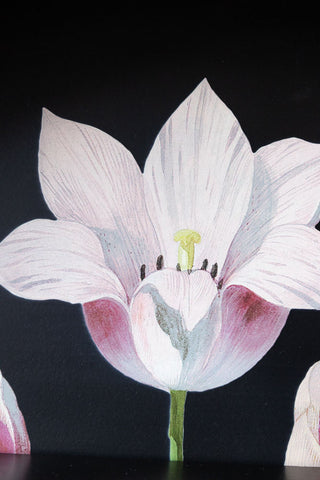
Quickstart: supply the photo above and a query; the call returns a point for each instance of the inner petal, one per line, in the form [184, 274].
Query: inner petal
[198, 176]
[165, 310]
[189, 293]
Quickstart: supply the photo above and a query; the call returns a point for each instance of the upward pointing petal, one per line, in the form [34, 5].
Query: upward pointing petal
[286, 190]
[198, 176]
[86, 175]
[89, 177]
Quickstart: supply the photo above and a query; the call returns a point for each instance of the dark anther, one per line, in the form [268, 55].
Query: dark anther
[220, 283]
[178, 267]
[160, 262]
[214, 270]
[189, 270]
[204, 264]
[142, 271]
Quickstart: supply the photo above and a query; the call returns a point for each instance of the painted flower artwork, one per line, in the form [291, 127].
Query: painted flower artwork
[186, 271]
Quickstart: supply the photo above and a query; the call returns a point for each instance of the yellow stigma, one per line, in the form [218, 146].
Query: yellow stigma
[187, 239]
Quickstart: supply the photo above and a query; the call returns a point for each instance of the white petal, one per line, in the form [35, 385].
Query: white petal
[293, 168]
[171, 324]
[303, 401]
[199, 176]
[286, 269]
[153, 345]
[302, 450]
[286, 190]
[303, 447]
[48, 259]
[189, 294]
[89, 177]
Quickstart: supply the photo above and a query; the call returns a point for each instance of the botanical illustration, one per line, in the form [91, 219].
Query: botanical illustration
[186, 272]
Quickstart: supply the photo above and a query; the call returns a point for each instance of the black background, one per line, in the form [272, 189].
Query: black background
[124, 70]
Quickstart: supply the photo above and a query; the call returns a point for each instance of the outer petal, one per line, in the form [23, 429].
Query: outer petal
[249, 328]
[286, 190]
[199, 176]
[168, 313]
[286, 269]
[13, 433]
[109, 326]
[89, 177]
[303, 447]
[48, 259]
[302, 450]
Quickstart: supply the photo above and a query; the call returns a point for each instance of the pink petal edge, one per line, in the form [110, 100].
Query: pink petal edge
[108, 323]
[13, 433]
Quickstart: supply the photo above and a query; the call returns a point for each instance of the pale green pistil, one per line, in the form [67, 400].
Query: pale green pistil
[187, 239]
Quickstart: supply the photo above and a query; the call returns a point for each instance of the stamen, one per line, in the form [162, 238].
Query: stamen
[204, 264]
[220, 284]
[160, 262]
[214, 271]
[187, 239]
[178, 267]
[142, 271]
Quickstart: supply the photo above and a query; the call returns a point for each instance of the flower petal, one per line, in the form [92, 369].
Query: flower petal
[286, 269]
[190, 294]
[249, 328]
[154, 344]
[303, 447]
[108, 323]
[49, 259]
[166, 310]
[89, 177]
[198, 176]
[285, 191]
[13, 433]
[292, 165]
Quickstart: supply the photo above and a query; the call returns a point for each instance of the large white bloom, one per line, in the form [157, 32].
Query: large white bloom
[241, 224]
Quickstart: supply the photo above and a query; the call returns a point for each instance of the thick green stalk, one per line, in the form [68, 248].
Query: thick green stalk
[175, 433]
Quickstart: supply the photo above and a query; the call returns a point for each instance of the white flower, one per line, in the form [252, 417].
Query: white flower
[241, 227]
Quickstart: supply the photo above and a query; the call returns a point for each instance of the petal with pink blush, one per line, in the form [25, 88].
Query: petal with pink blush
[13, 433]
[198, 176]
[109, 326]
[49, 259]
[249, 328]
[286, 269]
[89, 177]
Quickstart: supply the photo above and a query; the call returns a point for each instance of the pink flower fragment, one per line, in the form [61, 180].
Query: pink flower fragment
[13, 433]
[245, 220]
[304, 445]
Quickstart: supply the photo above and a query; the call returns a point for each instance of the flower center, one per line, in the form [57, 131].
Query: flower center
[187, 239]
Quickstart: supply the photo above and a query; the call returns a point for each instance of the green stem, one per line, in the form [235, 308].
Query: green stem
[175, 433]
